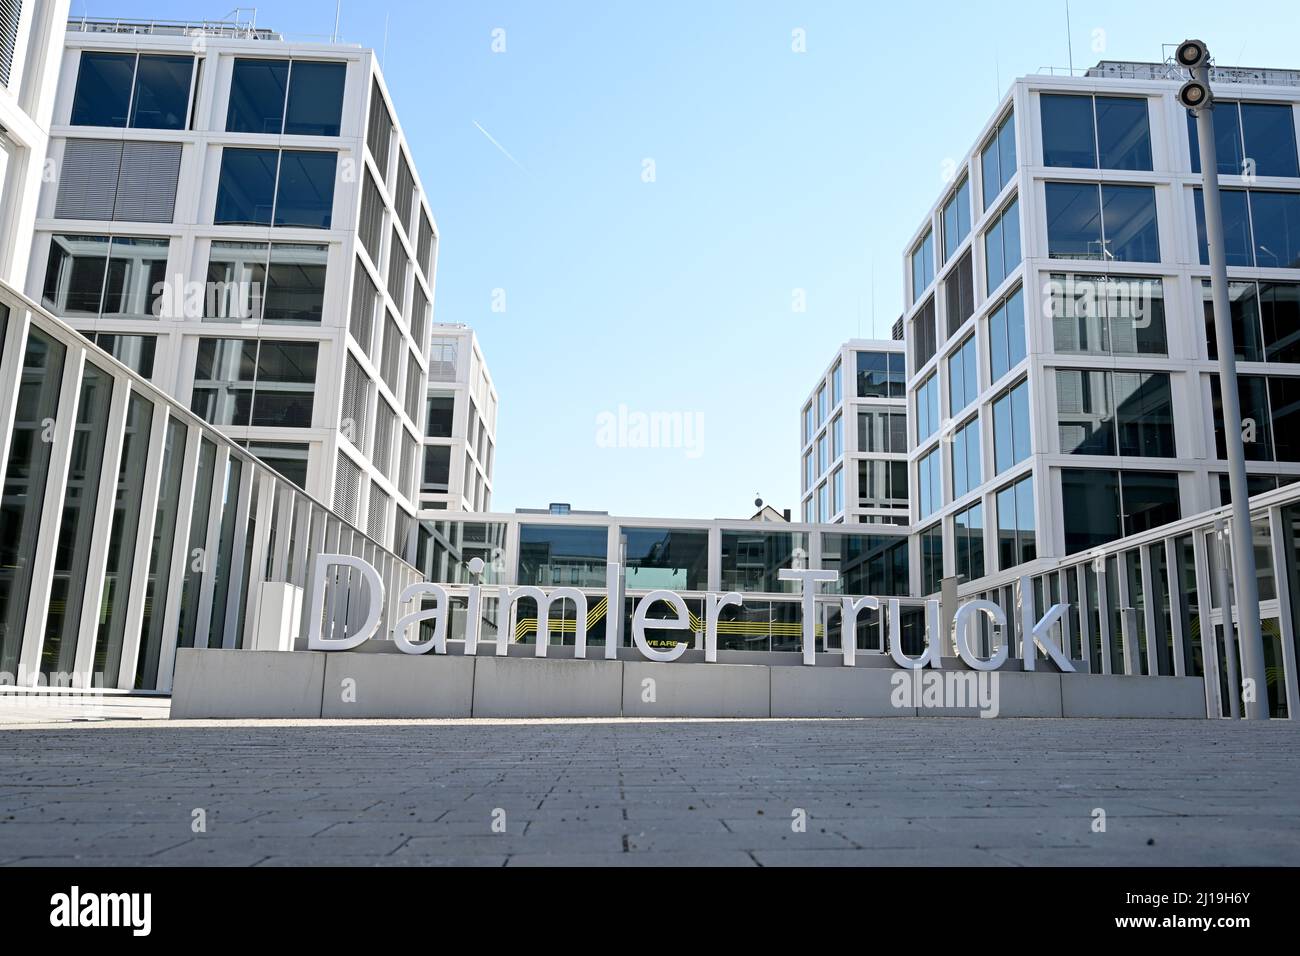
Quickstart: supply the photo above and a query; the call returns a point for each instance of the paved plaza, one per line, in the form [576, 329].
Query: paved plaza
[859, 792]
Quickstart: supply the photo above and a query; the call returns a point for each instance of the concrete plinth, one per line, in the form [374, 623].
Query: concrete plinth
[834, 691]
[217, 683]
[540, 687]
[301, 684]
[398, 685]
[695, 690]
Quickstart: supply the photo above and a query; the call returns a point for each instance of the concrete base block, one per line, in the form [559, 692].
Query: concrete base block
[399, 685]
[1000, 693]
[834, 691]
[1112, 695]
[700, 690]
[540, 687]
[219, 683]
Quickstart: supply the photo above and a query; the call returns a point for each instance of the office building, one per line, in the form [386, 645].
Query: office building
[853, 458]
[238, 217]
[460, 433]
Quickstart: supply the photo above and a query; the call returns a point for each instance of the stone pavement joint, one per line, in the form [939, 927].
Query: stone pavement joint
[618, 792]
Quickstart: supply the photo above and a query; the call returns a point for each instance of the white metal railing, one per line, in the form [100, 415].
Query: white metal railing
[254, 528]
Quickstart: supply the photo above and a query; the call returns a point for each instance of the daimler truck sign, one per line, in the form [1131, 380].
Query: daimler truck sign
[432, 605]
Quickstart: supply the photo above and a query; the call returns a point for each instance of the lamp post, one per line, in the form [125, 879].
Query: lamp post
[1197, 97]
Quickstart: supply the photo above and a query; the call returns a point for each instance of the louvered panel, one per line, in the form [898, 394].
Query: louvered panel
[377, 517]
[362, 321]
[88, 179]
[347, 489]
[11, 13]
[146, 190]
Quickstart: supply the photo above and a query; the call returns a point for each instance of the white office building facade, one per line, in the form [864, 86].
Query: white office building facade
[853, 448]
[238, 218]
[460, 433]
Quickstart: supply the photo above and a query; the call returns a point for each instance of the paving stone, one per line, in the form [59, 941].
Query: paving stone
[879, 792]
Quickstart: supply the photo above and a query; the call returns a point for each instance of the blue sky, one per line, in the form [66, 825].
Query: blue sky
[773, 171]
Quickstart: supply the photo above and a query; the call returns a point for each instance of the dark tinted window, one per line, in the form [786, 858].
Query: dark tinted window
[1150, 499]
[1227, 139]
[1256, 431]
[1067, 131]
[1269, 131]
[1280, 311]
[162, 92]
[1073, 221]
[306, 192]
[1236, 227]
[103, 93]
[257, 89]
[1243, 302]
[246, 191]
[1090, 508]
[315, 98]
[439, 419]
[1123, 133]
[1284, 394]
[1129, 222]
[295, 283]
[1276, 220]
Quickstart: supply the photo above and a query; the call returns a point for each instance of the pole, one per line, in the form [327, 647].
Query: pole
[1249, 641]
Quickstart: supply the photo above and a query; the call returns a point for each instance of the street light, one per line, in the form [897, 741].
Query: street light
[1197, 96]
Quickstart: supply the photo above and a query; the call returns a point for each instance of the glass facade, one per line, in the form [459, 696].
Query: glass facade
[562, 556]
[299, 97]
[1106, 315]
[998, 159]
[1002, 247]
[673, 558]
[1263, 133]
[880, 375]
[1095, 132]
[266, 187]
[1107, 221]
[752, 559]
[1261, 227]
[140, 91]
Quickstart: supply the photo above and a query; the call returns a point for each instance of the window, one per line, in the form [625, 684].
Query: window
[255, 382]
[1100, 506]
[998, 159]
[929, 484]
[93, 276]
[1102, 132]
[1007, 335]
[1016, 542]
[837, 437]
[881, 375]
[263, 187]
[959, 294]
[139, 91]
[288, 459]
[823, 459]
[437, 469]
[1002, 247]
[672, 558]
[1107, 315]
[258, 102]
[837, 491]
[282, 283]
[809, 476]
[120, 181]
[924, 337]
[867, 564]
[837, 385]
[956, 219]
[1267, 131]
[1270, 417]
[923, 265]
[882, 484]
[821, 404]
[1011, 427]
[927, 408]
[882, 431]
[1105, 222]
[968, 537]
[1265, 321]
[1261, 228]
[966, 468]
[438, 419]
[442, 358]
[1112, 412]
[963, 376]
[751, 560]
[930, 542]
[809, 426]
[136, 352]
